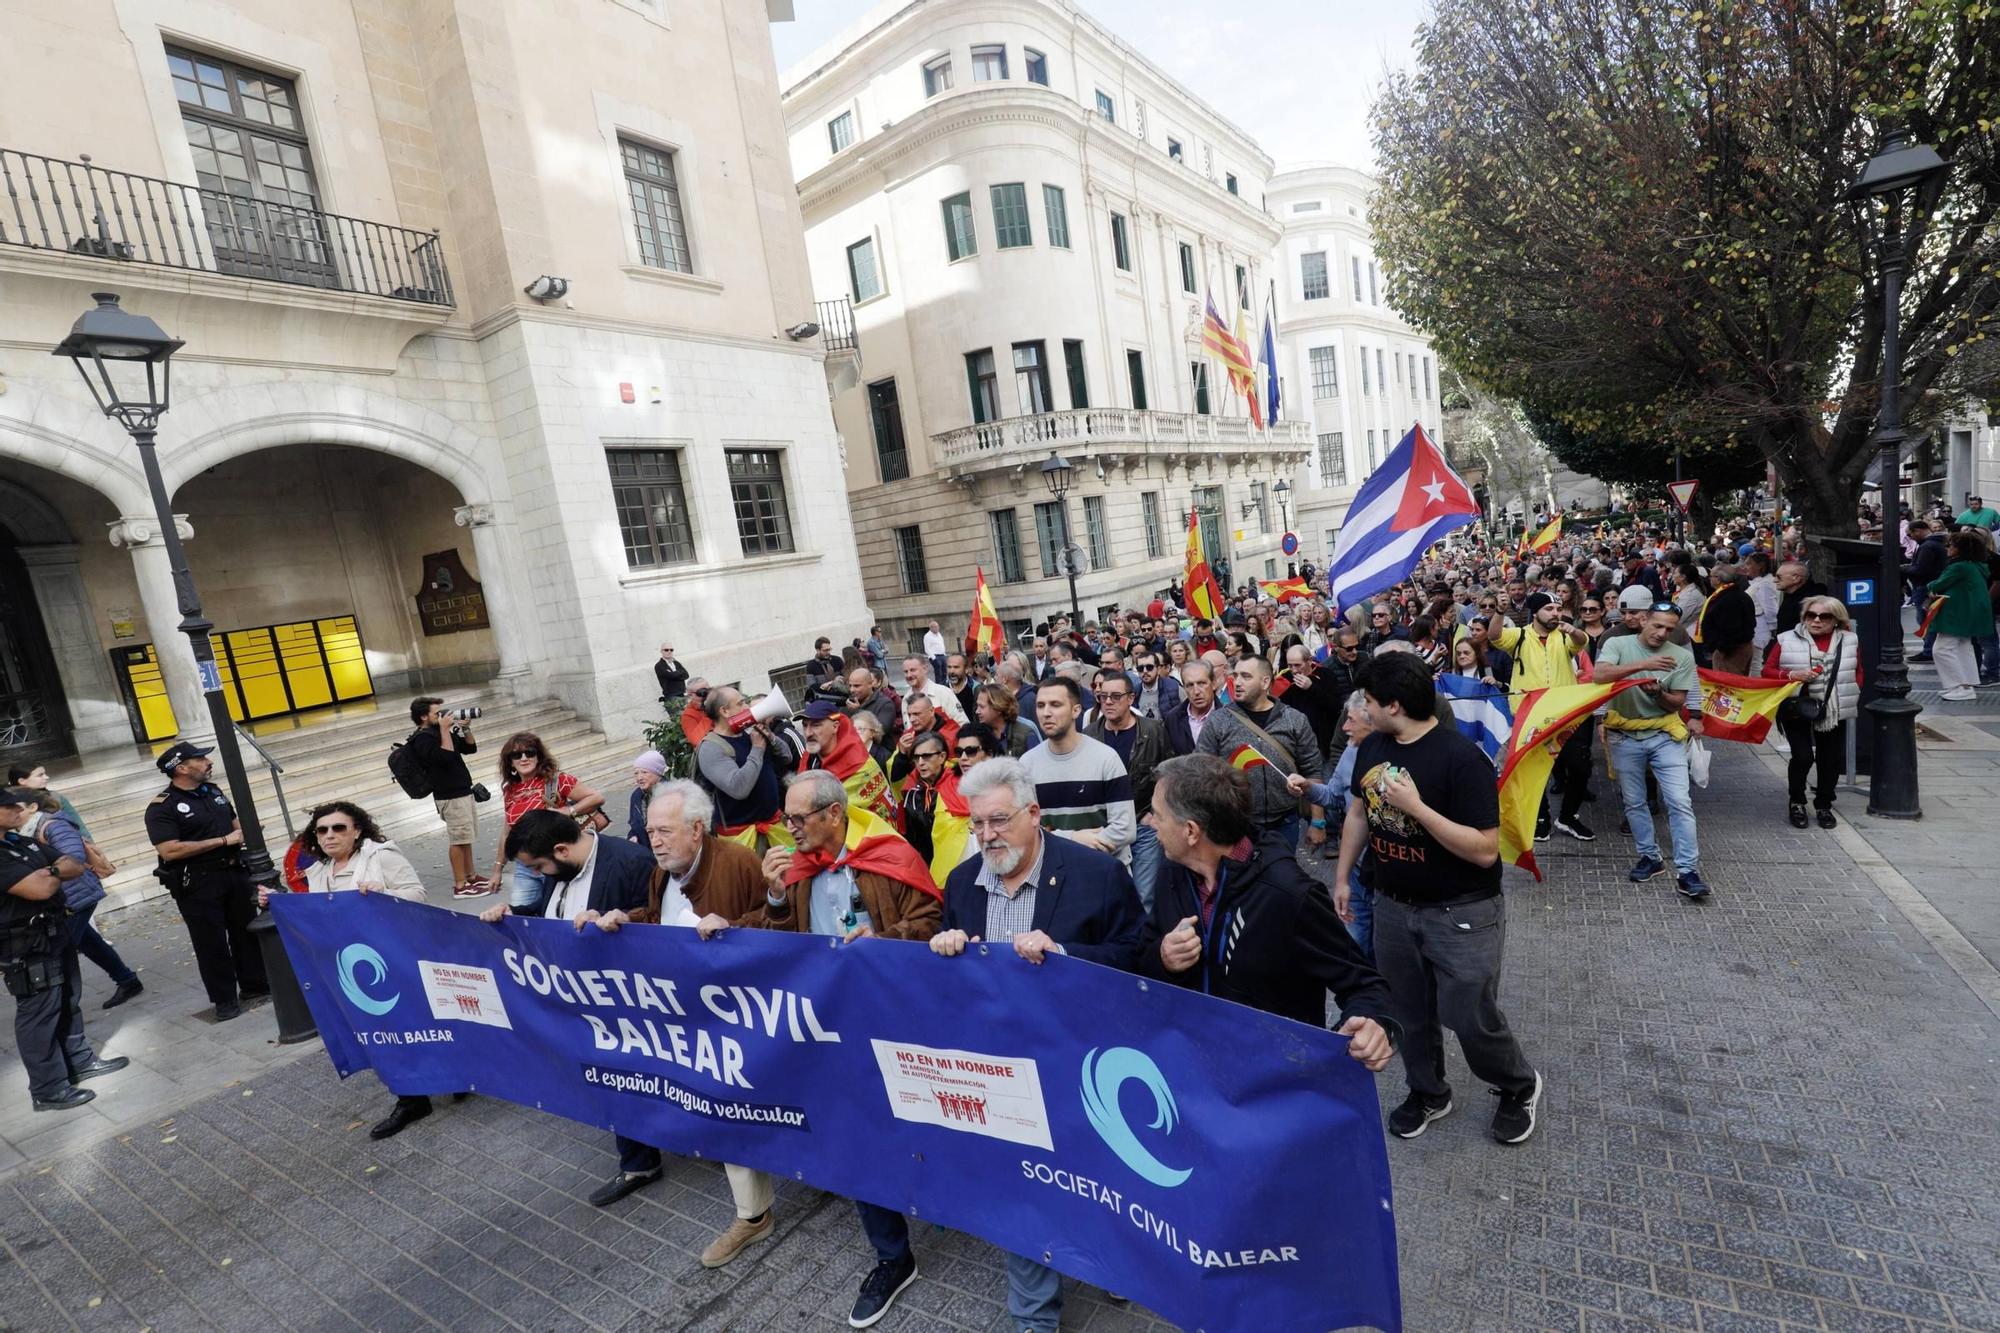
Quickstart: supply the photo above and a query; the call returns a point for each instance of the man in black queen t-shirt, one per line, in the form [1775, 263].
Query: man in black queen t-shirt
[1428, 807]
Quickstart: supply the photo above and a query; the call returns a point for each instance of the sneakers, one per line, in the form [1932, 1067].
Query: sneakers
[472, 888]
[1797, 814]
[879, 1290]
[1825, 817]
[1514, 1121]
[1414, 1116]
[1962, 694]
[1542, 830]
[732, 1242]
[1645, 869]
[1575, 828]
[1691, 885]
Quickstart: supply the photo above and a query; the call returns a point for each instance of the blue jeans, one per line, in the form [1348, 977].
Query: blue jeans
[1147, 858]
[1288, 829]
[1988, 648]
[1361, 902]
[888, 1231]
[1034, 1295]
[1638, 753]
[83, 937]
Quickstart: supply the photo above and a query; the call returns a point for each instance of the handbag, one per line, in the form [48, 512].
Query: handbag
[596, 821]
[1801, 708]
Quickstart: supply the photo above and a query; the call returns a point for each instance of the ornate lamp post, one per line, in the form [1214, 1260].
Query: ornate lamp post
[110, 346]
[1283, 490]
[1056, 473]
[1887, 179]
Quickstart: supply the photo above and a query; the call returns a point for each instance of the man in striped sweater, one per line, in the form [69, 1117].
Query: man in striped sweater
[1080, 783]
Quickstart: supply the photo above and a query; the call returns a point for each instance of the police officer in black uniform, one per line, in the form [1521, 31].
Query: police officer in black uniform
[193, 827]
[38, 965]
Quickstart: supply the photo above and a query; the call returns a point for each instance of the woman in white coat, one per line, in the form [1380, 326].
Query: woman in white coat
[1823, 654]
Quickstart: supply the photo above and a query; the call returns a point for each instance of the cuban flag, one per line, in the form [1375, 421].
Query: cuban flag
[1484, 714]
[1404, 508]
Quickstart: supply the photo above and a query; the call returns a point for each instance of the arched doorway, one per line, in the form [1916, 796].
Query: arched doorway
[34, 716]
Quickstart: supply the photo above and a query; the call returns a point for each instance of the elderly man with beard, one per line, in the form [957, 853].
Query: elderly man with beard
[703, 882]
[852, 878]
[832, 743]
[591, 875]
[1043, 896]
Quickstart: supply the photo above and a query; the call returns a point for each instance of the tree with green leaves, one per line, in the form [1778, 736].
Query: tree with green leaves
[1629, 212]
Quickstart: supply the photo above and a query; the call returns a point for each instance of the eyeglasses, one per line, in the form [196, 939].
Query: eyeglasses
[1346, 648]
[797, 822]
[1593, 606]
[1820, 615]
[930, 754]
[1149, 666]
[1113, 695]
[1666, 606]
[969, 751]
[522, 754]
[994, 823]
[332, 828]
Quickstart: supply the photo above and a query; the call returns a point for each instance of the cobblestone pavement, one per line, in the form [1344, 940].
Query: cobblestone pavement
[1776, 1110]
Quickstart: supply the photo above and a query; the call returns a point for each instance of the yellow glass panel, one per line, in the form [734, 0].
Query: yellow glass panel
[156, 711]
[258, 676]
[305, 672]
[345, 658]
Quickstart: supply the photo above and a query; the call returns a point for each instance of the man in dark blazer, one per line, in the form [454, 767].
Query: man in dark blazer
[1043, 895]
[588, 874]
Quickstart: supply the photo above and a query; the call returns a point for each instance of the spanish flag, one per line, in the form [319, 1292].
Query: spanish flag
[873, 847]
[1546, 537]
[1285, 590]
[1246, 383]
[951, 829]
[1543, 720]
[1931, 614]
[1204, 598]
[849, 760]
[1740, 708]
[1246, 757]
[985, 633]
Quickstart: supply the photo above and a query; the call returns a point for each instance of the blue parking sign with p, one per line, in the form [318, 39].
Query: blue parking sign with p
[1860, 592]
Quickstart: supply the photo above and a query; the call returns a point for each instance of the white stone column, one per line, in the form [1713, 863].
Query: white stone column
[97, 712]
[140, 534]
[497, 586]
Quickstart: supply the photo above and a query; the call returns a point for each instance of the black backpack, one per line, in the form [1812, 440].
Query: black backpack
[409, 771]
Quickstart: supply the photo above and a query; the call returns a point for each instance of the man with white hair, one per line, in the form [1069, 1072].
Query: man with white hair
[706, 883]
[1043, 896]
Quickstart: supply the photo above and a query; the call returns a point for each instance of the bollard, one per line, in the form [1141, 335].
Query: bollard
[288, 1002]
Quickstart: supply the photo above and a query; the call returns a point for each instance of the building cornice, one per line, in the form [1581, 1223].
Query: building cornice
[874, 162]
[509, 316]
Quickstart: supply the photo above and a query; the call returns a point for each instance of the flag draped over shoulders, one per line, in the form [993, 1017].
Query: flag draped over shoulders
[951, 829]
[872, 846]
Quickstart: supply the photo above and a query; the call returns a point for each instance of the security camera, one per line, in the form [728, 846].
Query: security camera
[800, 332]
[546, 288]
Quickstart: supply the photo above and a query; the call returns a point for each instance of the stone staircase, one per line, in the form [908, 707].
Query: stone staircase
[339, 753]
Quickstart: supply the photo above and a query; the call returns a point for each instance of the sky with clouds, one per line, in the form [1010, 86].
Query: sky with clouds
[1246, 60]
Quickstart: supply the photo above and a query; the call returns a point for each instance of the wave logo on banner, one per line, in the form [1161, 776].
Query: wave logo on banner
[1102, 1081]
[353, 958]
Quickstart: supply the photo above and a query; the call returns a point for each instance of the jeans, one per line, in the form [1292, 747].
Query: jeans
[83, 937]
[1443, 969]
[1988, 648]
[1287, 830]
[1361, 902]
[1034, 1295]
[1147, 858]
[1826, 750]
[1572, 766]
[1637, 753]
[888, 1231]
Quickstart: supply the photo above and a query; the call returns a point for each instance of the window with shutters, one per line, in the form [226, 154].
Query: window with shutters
[1049, 533]
[1096, 532]
[840, 131]
[1357, 277]
[1056, 210]
[960, 241]
[1149, 514]
[1010, 217]
[862, 276]
[984, 384]
[1187, 267]
[1135, 377]
[1038, 65]
[1079, 384]
[885, 415]
[1121, 246]
[910, 559]
[1198, 379]
[1006, 529]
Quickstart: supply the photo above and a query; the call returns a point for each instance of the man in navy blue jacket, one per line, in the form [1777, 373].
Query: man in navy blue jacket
[590, 875]
[1043, 895]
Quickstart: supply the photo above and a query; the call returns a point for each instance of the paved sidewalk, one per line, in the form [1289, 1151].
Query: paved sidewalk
[1779, 1109]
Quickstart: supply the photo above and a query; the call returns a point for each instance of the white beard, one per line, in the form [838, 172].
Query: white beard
[1002, 860]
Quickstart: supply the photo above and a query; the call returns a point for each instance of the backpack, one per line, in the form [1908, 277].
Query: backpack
[409, 771]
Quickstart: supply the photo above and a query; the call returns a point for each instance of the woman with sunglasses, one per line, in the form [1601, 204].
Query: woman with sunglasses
[1823, 652]
[531, 780]
[1592, 622]
[349, 852]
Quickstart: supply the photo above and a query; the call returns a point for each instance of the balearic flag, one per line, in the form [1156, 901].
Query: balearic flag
[1740, 708]
[1204, 597]
[985, 633]
[1404, 508]
[1543, 720]
[1226, 347]
[1484, 713]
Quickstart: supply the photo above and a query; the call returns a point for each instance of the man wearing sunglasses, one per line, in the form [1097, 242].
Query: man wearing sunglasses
[1158, 692]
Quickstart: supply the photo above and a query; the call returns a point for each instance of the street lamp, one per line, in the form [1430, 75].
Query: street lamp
[1889, 176]
[109, 345]
[1283, 490]
[1056, 473]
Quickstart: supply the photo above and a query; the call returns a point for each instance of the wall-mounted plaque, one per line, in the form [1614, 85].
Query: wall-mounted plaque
[450, 601]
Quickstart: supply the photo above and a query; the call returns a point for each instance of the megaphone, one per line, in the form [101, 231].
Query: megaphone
[770, 708]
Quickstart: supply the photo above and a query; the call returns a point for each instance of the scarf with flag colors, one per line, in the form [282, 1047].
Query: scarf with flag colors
[1405, 507]
[1204, 598]
[1484, 713]
[984, 633]
[849, 760]
[1543, 720]
[872, 847]
[1285, 590]
[1246, 757]
[951, 828]
[1740, 708]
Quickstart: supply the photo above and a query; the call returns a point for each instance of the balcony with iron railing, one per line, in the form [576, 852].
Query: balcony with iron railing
[836, 325]
[77, 208]
[1103, 430]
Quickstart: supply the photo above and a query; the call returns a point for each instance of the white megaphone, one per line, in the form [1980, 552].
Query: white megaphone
[770, 708]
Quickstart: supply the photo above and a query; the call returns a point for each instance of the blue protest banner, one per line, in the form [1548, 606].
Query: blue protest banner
[1223, 1166]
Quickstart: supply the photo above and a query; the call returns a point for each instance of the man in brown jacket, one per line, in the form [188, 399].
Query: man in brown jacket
[853, 877]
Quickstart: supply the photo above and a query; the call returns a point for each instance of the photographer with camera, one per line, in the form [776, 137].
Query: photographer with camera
[439, 745]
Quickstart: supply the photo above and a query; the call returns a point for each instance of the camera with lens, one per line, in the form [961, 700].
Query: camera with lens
[464, 714]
